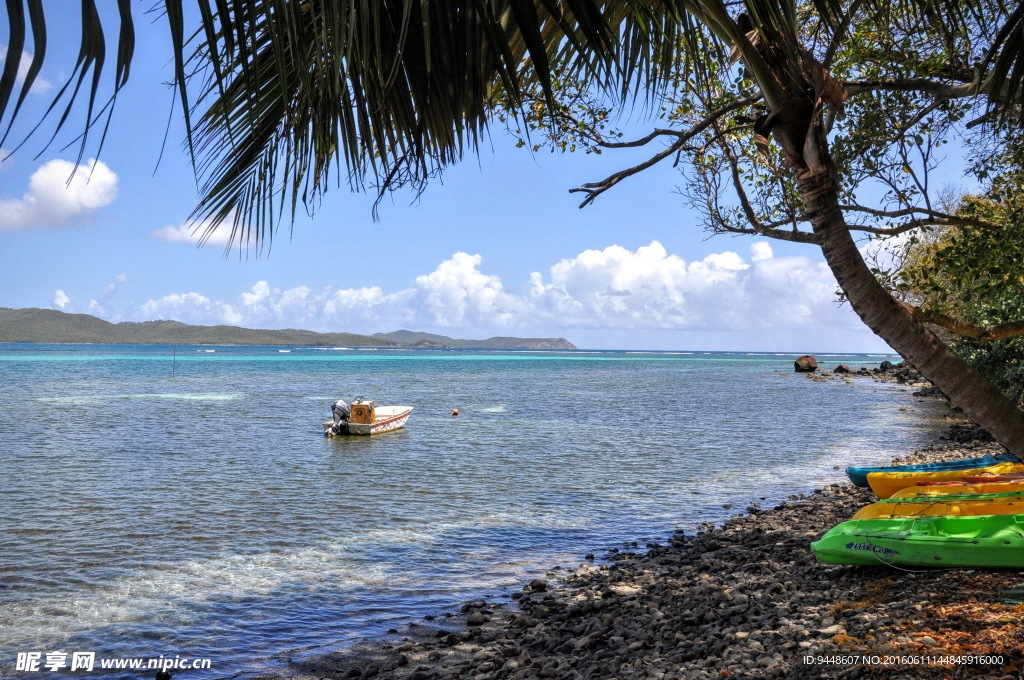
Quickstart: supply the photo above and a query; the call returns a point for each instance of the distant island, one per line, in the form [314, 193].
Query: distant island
[51, 325]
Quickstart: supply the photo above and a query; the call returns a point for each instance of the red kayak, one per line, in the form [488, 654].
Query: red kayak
[988, 479]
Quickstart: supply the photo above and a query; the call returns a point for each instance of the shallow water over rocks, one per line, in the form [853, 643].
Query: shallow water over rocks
[180, 501]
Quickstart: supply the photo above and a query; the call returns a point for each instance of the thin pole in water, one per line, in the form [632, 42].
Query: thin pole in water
[174, 360]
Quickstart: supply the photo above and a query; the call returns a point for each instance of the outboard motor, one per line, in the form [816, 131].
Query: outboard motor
[340, 412]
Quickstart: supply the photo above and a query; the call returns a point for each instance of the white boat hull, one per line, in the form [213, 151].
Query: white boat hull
[388, 418]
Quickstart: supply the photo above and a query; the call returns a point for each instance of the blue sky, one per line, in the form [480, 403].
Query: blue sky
[498, 247]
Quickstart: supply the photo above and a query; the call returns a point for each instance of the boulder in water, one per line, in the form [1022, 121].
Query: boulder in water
[805, 364]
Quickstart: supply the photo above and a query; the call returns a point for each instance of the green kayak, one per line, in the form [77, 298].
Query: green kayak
[979, 541]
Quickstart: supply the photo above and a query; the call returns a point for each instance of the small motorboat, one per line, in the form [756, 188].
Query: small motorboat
[365, 417]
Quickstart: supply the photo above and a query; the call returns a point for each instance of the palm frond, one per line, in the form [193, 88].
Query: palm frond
[91, 58]
[1004, 68]
[386, 93]
[281, 99]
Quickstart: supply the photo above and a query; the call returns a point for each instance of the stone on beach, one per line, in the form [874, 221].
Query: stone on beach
[745, 599]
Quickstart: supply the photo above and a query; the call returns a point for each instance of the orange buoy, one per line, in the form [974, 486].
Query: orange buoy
[455, 411]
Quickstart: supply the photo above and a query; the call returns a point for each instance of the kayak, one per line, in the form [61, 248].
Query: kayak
[957, 489]
[859, 475]
[988, 479]
[885, 484]
[985, 541]
[953, 505]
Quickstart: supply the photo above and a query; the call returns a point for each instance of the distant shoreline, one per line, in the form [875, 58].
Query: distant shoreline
[874, 356]
[50, 326]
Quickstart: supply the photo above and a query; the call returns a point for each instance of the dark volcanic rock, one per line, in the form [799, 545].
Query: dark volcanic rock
[962, 434]
[805, 364]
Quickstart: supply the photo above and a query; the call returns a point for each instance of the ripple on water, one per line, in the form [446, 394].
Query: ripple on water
[205, 514]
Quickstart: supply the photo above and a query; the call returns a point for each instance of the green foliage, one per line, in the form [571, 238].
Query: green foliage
[972, 272]
[1001, 362]
[976, 275]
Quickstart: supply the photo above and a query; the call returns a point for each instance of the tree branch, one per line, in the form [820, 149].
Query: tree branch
[595, 189]
[643, 141]
[741, 192]
[941, 89]
[840, 33]
[1001, 331]
[794, 235]
[937, 218]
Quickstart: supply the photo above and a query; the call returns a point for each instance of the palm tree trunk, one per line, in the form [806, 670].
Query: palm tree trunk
[981, 401]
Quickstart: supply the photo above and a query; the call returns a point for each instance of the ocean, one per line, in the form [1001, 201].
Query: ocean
[182, 502]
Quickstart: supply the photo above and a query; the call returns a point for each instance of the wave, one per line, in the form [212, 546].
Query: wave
[536, 351]
[71, 400]
[164, 591]
[196, 396]
[97, 399]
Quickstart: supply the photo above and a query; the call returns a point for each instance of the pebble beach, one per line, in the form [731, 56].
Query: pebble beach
[744, 599]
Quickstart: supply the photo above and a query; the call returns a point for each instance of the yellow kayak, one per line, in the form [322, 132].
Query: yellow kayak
[938, 506]
[885, 484]
[958, 489]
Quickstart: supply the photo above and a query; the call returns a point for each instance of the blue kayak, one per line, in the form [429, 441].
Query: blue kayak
[859, 475]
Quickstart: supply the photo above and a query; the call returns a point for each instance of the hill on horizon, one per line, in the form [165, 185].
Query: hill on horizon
[51, 325]
[419, 339]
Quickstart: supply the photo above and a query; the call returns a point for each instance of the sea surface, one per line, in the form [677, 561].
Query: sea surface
[182, 501]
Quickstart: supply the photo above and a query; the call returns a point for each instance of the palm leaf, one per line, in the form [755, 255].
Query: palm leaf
[283, 98]
[385, 93]
[1004, 66]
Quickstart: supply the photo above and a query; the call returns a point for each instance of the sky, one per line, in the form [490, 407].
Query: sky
[495, 247]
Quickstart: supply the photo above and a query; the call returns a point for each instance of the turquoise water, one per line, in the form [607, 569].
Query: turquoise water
[163, 501]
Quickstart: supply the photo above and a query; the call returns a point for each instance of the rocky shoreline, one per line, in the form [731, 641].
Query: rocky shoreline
[745, 599]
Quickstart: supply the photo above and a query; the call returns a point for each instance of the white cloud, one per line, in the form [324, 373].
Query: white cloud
[60, 193]
[40, 85]
[114, 285]
[615, 288]
[98, 306]
[888, 253]
[760, 251]
[60, 299]
[457, 293]
[193, 233]
[191, 308]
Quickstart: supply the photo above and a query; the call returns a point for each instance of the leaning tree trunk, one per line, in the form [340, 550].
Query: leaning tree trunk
[980, 400]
